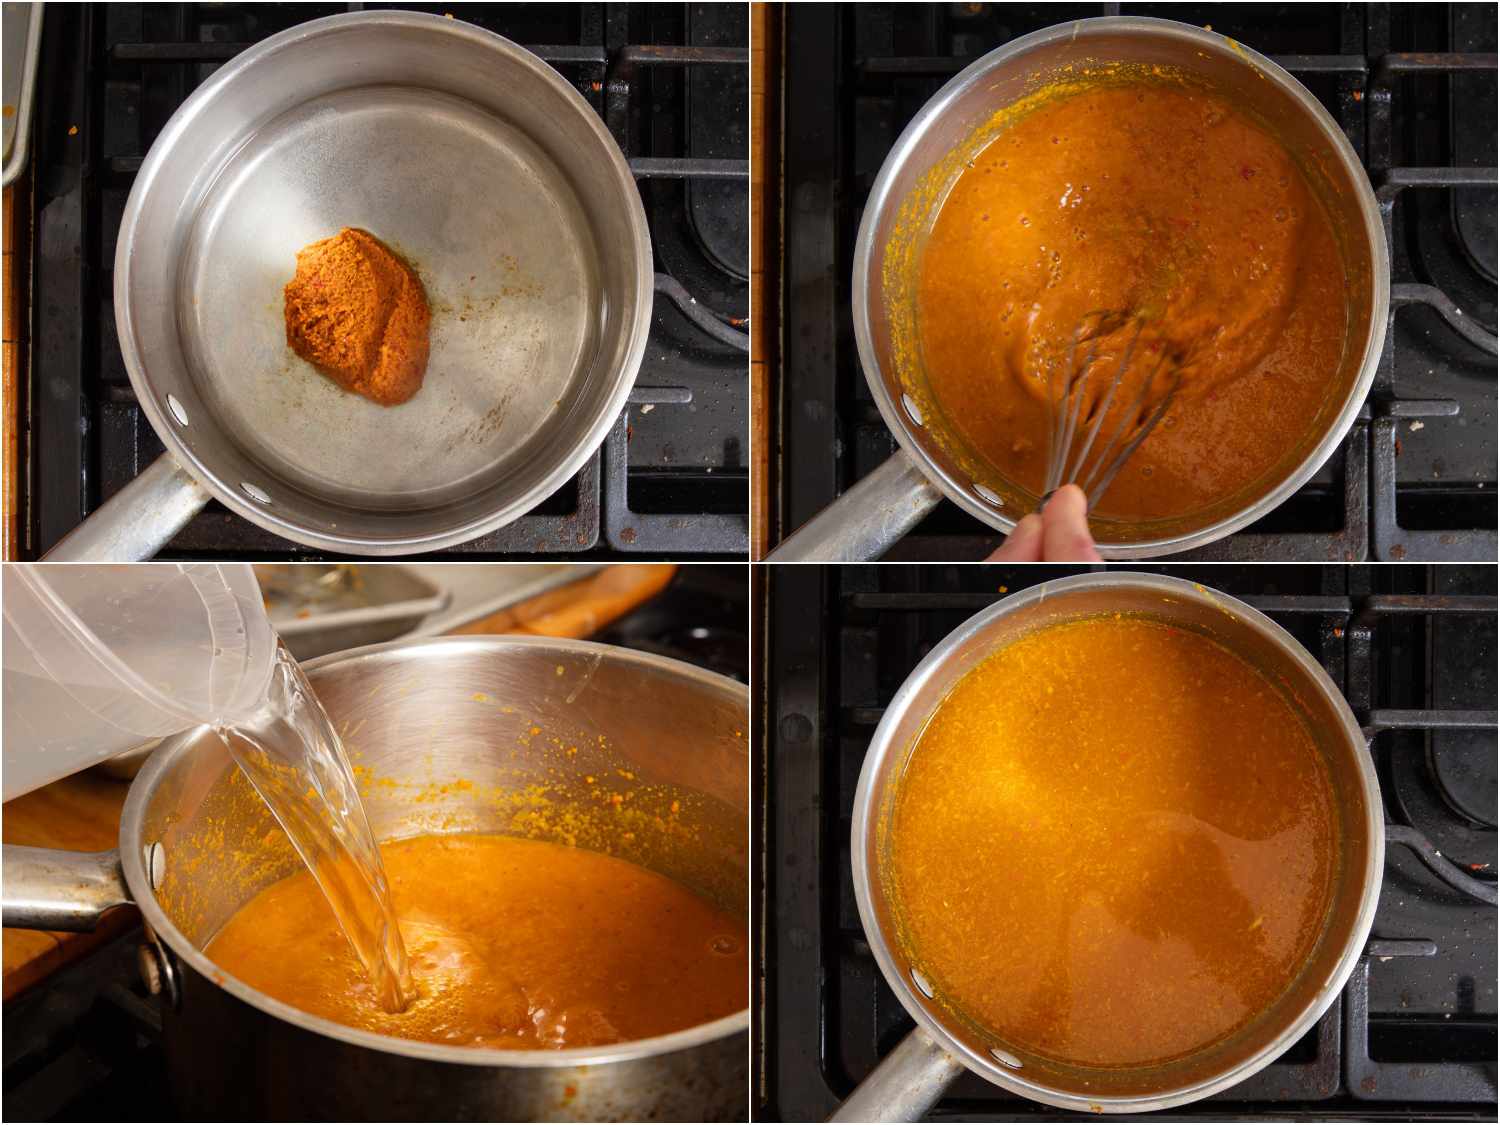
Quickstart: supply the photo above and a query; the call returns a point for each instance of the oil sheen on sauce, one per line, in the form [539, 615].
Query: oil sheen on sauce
[1113, 845]
[1161, 201]
[513, 943]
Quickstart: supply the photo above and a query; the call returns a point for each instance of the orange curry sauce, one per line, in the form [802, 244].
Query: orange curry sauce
[513, 944]
[1157, 201]
[1114, 844]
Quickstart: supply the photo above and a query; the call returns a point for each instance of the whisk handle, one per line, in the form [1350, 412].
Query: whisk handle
[865, 522]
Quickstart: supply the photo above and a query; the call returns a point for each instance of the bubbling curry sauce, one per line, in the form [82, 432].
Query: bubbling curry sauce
[513, 944]
[1158, 201]
[1114, 844]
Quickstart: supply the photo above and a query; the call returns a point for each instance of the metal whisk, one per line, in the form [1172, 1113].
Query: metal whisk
[1075, 417]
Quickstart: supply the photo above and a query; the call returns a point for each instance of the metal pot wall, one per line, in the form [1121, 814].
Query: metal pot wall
[910, 1079]
[196, 843]
[868, 519]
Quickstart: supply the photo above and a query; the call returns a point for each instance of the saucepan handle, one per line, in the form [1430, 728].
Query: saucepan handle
[137, 521]
[46, 889]
[867, 521]
[906, 1084]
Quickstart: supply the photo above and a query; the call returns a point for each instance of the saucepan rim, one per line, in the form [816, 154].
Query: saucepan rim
[132, 860]
[866, 818]
[635, 328]
[881, 201]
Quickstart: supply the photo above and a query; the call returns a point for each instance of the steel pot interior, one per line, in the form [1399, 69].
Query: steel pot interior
[958, 121]
[342, 121]
[483, 735]
[1357, 881]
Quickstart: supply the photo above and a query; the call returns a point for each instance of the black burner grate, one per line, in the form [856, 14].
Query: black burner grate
[1412, 85]
[1413, 649]
[672, 85]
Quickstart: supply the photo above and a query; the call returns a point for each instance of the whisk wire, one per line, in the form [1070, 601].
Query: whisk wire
[1073, 411]
[1101, 409]
[1101, 485]
[1063, 407]
[1139, 419]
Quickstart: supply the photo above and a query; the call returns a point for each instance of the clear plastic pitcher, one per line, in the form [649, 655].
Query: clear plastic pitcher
[101, 659]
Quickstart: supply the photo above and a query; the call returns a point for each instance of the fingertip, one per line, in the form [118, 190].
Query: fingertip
[1067, 527]
[1071, 502]
[1024, 543]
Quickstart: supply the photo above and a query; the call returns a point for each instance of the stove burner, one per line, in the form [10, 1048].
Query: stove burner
[717, 122]
[86, 1045]
[1474, 105]
[1466, 779]
[1423, 799]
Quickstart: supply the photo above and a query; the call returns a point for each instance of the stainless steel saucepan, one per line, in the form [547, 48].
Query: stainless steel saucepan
[915, 1074]
[477, 162]
[196, 843]
[877, 511]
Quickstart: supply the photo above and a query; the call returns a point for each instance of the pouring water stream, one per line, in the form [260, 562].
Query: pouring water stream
[98, 659]
[290, 752]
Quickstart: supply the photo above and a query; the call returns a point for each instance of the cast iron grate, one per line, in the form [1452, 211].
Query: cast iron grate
[1412, 648]
[671, 84]
[1413, 87]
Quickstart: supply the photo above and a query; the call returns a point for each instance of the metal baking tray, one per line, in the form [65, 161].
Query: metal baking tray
[321, 609]
[368, 603]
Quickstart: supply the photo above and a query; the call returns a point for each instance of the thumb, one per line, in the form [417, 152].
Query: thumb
[1065, 520]
[1024, 544]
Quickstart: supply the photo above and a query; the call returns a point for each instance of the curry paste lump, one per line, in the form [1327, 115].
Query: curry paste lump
[1161, 203]
[358, 313]
[513, 943]
[1114, 844]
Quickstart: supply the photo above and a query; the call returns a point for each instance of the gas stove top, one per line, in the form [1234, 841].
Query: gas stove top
[1414, 88]
[670, 82]
[1413, 649]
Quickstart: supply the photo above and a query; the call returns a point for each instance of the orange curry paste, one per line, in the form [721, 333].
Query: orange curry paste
[1155, 201]
[358, 313]
[1114, 843]
[513, 944]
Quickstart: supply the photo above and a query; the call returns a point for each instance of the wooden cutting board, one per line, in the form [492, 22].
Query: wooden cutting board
[765, 253]
[14, 231]
[82, 812]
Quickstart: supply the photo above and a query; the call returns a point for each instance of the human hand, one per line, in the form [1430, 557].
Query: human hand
[1059, 533]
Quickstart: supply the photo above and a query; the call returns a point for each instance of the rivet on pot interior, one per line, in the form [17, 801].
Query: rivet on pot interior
[156, 864]
[988, 495]
[921, 982]
[1006, 1058]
